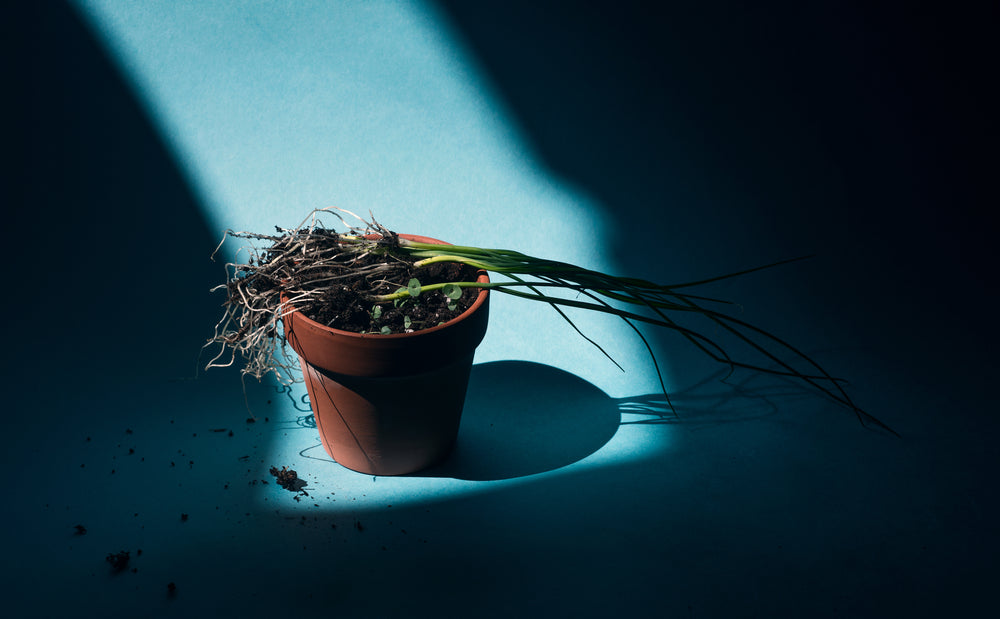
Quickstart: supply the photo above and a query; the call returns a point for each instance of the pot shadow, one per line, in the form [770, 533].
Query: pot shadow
[524, 418]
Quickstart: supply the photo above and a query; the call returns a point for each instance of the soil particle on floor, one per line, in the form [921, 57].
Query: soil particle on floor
[289, 479]
[118, 560]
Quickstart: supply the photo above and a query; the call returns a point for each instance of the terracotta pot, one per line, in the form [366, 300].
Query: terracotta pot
[389, 404]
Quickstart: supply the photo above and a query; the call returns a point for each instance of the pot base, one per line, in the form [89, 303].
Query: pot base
[392, 425]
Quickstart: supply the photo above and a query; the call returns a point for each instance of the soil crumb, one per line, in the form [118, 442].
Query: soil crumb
[118, 560]
[289, 479]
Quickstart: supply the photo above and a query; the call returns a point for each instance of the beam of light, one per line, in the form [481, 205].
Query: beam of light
[273, 109]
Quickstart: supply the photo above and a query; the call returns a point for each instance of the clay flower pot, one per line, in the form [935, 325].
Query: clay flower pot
[389, 404]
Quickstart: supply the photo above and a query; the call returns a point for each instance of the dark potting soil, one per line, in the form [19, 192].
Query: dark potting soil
[345, 305]
[118, 560]
[289, 479]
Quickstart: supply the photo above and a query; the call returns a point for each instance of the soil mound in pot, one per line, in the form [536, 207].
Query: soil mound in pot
[344, 307]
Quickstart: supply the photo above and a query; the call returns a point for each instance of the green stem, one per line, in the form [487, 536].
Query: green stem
[404, 293]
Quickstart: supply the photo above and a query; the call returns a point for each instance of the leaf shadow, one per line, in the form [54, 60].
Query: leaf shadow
[716, 399]
[524, 418]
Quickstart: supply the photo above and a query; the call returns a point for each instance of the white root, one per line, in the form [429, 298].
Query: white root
[300, 262]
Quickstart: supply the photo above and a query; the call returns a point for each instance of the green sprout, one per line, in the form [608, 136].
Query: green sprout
[413, 288]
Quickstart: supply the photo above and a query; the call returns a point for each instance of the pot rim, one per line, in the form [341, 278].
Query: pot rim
[476, 305]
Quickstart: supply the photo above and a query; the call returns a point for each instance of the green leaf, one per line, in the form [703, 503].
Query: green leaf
[453, 306]
[407, 322]
[386, 330]
[452, 291]
[413, 287]
[376, 312]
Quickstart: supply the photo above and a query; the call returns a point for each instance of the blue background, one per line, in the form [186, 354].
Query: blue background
[672, 145]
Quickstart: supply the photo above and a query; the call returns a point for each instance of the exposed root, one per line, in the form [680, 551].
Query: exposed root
[303, 263]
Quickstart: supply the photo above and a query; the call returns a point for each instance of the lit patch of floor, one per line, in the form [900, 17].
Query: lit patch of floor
[553, 424]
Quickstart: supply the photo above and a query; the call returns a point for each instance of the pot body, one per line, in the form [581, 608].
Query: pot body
[389, 404]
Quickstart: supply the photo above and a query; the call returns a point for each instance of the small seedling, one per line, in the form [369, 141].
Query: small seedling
[454, 293]
[413, 288]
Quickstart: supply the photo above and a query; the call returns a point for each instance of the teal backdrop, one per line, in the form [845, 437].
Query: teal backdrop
[672, 144]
